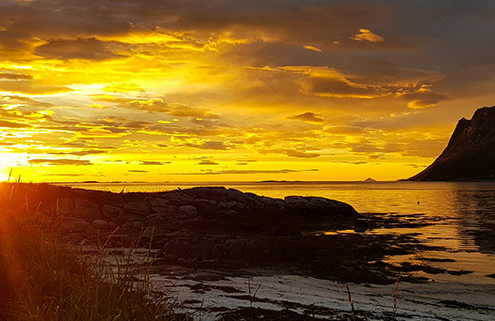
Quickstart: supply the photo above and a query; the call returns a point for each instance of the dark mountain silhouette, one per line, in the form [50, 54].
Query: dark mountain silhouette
[470, 154]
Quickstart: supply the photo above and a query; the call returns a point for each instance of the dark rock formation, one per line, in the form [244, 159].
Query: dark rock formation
[470, 154]
[213, 227]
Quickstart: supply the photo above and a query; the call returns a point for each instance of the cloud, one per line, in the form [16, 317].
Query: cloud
[137, 171]
[8, 124]
[309, 117]
[312, 48]
[421, 98]
[14, 76]
[344, 129]
[89, 152]
[352, 162]
[152, 105]
[57, 162]
[207, 162]
[87, 49]
[163, 146]
[339, 88]
[185, 111]
[295, 153]
[215, 145]
[153, 163]
[31, 87]
[367, 35]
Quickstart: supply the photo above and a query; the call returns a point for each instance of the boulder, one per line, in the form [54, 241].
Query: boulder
[137, 207]
[188, 209]
[310, 205]
[110, 211]
[232, 205]
[86, 209]
[157, 204]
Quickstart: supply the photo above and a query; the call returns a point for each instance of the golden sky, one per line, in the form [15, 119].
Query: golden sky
[158, 90]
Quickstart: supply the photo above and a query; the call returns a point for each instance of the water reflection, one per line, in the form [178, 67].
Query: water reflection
[476, 218]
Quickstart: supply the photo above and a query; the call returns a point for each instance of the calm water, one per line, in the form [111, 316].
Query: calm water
[461, 212]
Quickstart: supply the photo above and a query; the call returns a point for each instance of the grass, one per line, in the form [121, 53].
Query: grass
[43, 279]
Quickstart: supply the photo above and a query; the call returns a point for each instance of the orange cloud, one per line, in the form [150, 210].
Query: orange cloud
[367, 35]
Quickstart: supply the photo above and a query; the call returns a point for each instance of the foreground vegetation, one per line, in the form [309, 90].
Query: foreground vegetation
[43, 279]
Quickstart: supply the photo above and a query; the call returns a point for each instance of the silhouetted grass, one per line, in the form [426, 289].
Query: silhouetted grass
[42, 279]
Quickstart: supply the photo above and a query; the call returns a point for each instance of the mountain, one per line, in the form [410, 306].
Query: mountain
[470, 154]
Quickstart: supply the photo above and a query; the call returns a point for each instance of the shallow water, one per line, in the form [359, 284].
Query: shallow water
[462, 215]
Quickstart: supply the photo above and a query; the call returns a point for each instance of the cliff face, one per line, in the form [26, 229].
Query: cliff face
[470, 154]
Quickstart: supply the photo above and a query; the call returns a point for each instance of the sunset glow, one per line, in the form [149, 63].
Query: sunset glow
[236, 91]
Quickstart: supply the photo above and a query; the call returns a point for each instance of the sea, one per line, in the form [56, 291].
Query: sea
[460, 216]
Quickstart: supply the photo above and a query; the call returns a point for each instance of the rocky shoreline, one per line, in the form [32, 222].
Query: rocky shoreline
[226, 230]
[205, 243]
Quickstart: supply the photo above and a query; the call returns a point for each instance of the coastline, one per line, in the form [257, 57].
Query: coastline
[207, 240]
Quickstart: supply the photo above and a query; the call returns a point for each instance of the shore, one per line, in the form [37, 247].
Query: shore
[210, 245]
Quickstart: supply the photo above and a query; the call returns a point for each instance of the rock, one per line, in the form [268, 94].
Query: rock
[73, 225]
[205, 206]
[318, 206]
[158, 204]
[177, 197]
[188, 209]
[232, 205]
[137, 207]
[86, 209]
[110, 211]
[101, 224]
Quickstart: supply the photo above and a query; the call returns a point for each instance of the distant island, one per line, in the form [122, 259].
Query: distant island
[370, 180]
[470, 154]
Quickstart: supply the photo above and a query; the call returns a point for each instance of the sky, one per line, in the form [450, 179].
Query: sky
[207, 90]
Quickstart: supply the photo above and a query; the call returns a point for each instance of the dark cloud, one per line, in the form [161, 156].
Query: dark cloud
[7, 124]
[89, 49]
[31, 87]
[207, 162]
[137, 171]
[153, 163]
[57, 162]
[14, 76]
[308, 117]
[296, 153]
[185, 111]
[335, 87]
[89, 152]
[215, 145]
[421, 98]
